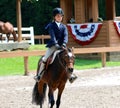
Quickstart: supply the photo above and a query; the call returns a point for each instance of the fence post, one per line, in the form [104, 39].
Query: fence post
[103, 58]
[26, 65]
[42, 39]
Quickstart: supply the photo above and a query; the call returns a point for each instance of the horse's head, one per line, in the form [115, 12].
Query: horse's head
[68, 59]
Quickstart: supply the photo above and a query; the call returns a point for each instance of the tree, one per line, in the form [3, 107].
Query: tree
[101, 5]
[8, 11]
[117, 7]
[38, 14]
[34, 13]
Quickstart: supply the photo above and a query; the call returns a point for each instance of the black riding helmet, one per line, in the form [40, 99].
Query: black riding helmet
[57, 11]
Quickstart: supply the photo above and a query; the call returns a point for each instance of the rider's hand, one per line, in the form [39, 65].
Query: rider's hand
[57, 46]
[63, 45]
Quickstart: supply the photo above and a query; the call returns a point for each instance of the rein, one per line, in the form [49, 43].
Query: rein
[60, 59]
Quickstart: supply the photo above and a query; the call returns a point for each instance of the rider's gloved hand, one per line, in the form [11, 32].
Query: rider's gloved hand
[57, 46]
[63, 45]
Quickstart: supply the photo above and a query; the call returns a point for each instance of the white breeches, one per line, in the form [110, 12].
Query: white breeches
[49, 52]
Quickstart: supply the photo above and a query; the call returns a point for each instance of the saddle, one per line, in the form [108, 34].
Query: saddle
[51, 58]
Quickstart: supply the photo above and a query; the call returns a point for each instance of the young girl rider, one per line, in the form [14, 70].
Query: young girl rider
[59, 38]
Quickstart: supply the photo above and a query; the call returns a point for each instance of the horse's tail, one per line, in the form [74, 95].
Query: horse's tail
[14, 35]
[37, 97]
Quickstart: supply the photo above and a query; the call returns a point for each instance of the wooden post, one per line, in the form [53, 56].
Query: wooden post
[103, 58]
[66, 5]
[79, 11]
[42, 39]
[110, 9]
[95, 10]
[26, 65]
[19, 20]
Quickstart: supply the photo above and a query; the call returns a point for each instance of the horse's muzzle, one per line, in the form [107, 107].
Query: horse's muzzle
[70, 70]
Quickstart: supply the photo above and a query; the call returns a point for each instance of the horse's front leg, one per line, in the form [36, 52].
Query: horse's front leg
[51, 98]
[1, 37]
[14, 36]
[60, 90]
[8, 37]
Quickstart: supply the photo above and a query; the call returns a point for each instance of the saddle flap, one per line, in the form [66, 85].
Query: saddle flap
[51, 58]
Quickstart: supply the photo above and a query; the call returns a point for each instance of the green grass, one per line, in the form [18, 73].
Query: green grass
[15, 66]
[37, 47]
[89, 64]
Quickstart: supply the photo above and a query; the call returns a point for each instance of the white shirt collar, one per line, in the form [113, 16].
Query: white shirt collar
[58, 23]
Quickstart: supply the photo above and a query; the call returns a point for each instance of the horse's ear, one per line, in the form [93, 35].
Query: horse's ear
[72, 49]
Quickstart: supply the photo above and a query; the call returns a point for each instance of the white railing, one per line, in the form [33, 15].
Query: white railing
[27, 35]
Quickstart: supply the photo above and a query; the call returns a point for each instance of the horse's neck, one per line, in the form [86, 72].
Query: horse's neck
[59, 62]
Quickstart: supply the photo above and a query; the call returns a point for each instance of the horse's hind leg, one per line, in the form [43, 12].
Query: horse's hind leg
[51, 98]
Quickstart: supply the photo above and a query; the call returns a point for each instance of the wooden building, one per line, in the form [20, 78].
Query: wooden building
[85, 12]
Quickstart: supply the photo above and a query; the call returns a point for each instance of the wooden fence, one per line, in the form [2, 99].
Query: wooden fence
[41, 38]
[26, 54]
[27, 35]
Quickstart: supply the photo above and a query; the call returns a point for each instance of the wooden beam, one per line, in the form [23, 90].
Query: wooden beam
[22, 53]
[96, 50]
[42, 38]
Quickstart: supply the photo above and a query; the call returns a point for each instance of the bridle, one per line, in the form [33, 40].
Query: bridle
[62, 61]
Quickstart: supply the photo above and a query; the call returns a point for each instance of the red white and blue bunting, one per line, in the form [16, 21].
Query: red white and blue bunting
[117, 26]
[84, 34]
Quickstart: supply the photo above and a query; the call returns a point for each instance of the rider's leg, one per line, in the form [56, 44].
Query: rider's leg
[42, 66]
[41, 71]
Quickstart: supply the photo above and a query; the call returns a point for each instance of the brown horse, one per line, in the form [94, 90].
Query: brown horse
[55, 77]
[7, 28]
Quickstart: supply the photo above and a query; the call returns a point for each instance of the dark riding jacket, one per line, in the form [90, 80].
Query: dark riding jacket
[59, 35]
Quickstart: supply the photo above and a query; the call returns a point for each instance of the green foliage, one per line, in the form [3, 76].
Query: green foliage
[38, 13]
[34, 13]
[117, 7]
[8, 11]
[102, 8]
